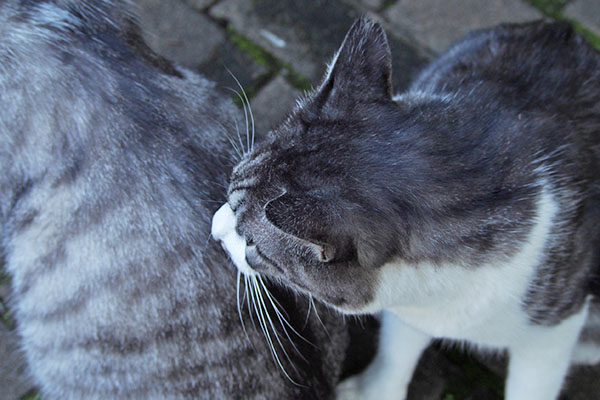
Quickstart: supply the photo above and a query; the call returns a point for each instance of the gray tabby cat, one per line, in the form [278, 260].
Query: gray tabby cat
[113, 161]
[467, 208]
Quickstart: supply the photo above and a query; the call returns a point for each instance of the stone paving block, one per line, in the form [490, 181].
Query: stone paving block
[306, 34]
[273, 103]
[13, 369]
[438, 23]
[374, 4]
[199, 4]
[229, 57]
[186, 36]
[585, 11]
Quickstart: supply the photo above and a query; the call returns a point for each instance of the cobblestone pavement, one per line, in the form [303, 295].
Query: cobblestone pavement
[277, 49]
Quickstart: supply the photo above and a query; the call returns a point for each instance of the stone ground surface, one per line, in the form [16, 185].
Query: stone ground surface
[277, 49]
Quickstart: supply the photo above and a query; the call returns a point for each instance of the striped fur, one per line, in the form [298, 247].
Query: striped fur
[113, 161]
[466, 209]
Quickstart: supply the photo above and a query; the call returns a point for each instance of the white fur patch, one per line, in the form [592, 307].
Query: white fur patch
[540, 360]
[223, 230]
[481, 305]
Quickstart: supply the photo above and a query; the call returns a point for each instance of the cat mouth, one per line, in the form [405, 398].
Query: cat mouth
[223, 231]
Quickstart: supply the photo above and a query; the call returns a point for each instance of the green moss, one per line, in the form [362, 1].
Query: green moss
[263, 57]
[296, 79]
[257, 53]
[593, 38]
[388, 4]
[6, 316]
[551, 8]
[474, 375]
[31, 395]
[4, 277]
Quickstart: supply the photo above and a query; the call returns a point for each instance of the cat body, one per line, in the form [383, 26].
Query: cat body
[464, 209]
[113, 161]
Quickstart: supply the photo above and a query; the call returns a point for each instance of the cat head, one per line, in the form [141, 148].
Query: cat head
[305, 207]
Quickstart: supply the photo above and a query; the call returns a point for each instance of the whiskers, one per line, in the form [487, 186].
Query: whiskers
[269, 316]
[241, 148]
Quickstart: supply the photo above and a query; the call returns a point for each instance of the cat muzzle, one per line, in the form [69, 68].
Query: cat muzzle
[223, 231]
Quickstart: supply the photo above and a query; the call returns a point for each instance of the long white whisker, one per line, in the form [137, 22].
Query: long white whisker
[237, 130]
[263, 326]
[307, 314]
[250, 146]
[226, 133]
[248, 287]
[281, 318]
[266, 313]
[217, 183]
[282, 323]
[246, 117]
[318, 317]
[234, 146]
[237, 292]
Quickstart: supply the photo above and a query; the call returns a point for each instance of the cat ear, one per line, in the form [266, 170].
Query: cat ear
[304, 218]
[363, 64]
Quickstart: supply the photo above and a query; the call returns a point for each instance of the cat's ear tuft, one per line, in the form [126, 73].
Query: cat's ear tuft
[363, 65]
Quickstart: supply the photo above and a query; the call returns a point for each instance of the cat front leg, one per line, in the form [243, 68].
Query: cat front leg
[388, 376]
[539, 362]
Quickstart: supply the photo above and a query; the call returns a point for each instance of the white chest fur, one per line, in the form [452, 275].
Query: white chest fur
[481, 304]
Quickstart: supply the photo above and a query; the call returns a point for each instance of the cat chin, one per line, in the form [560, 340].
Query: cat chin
[223, 231]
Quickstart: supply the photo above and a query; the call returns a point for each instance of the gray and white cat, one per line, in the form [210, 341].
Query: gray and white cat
[467, 208]
[113, 162]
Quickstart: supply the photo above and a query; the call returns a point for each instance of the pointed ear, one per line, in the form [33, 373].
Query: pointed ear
[363, 64]
[303, 217]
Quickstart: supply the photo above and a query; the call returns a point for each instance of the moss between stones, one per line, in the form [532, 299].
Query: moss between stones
[586, 33]
[264, 58]
[549, 7]
[6, 316]
[296, 79]
[4, 277]
[553, 9]
[31, 395]
[258, 54]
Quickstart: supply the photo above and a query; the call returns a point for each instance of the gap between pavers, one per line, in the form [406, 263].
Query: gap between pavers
[273, 103]
[438, 23]
[586, 12]
[13, 368]
[187, 36]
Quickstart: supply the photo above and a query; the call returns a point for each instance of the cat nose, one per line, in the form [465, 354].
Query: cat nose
[223, 230]
[223, 222]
